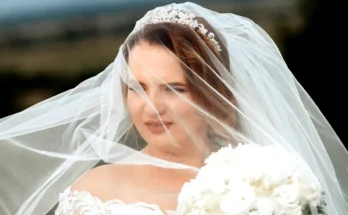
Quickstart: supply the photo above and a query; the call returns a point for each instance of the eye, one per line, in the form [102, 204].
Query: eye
[132, 89]
[176, 89]
[136, 88]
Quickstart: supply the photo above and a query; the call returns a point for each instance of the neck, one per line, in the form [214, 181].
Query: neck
[190, 156]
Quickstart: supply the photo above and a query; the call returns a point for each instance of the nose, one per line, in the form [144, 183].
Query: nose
[154, 104]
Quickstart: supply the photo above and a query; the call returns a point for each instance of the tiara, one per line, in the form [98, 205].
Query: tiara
[173, 14]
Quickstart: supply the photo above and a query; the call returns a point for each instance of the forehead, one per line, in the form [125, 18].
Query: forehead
[155, 63]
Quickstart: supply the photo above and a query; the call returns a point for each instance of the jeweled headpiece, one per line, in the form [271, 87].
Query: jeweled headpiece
[174, 14]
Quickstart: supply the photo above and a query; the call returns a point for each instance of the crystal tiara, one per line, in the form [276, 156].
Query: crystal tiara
[173, 14]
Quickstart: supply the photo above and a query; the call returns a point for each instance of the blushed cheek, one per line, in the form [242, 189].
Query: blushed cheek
[191, 118]
[134, 108]
[198, 123]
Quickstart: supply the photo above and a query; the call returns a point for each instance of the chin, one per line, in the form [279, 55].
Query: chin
[160, 141]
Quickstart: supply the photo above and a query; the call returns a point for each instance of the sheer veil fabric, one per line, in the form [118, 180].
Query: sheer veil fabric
[225, 83]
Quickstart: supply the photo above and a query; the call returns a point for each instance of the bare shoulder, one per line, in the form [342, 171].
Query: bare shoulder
[101, 179]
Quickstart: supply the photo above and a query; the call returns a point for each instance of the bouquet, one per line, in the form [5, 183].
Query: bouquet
[252, 180]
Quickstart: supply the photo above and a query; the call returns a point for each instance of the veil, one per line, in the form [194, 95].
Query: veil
[188, 81]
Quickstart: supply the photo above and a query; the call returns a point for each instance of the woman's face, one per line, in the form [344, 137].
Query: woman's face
[156, 70]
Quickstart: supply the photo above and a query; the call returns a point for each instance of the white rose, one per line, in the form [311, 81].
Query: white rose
[207, 203]
[274, 176]
[251, 171]
[279, 166]
[210, 202]
[287, 200]
[189, 190]
[193, 210]
[217, 178]
[313, 193]
[226, 155]
[263, 206]
[266, 166]
[309, 188]
[239, 200]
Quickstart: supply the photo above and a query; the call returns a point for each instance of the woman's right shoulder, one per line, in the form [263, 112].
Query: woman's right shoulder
[100, 178]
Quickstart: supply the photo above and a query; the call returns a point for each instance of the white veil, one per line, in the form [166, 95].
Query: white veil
[252, 98]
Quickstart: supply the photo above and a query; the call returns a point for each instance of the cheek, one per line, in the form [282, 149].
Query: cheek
[134, 105]
[188, 115]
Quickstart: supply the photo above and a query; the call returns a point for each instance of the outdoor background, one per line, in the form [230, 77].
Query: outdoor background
[49, 46]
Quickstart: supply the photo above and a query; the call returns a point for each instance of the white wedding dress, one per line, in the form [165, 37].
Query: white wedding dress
[83, 203]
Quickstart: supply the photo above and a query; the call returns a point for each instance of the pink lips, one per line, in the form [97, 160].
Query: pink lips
[158, 127]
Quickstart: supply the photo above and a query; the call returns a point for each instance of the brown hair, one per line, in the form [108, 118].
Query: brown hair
[183, 41]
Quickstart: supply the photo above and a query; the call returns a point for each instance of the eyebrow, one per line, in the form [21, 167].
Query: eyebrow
[172, 84]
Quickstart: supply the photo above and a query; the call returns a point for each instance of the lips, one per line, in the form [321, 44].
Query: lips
[158, 127]
[157, 123]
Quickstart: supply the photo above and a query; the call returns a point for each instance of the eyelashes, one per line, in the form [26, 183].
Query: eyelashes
[176, 89]
[167, 89]
[136, 88]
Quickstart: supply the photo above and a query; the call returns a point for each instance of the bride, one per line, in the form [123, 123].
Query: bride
[186, 82]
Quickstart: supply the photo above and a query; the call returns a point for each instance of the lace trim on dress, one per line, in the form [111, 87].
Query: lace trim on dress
[83, 203]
